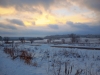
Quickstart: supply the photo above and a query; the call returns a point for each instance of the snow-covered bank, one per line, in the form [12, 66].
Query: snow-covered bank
[51, 61]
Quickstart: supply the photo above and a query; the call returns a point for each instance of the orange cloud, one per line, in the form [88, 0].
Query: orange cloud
[7, 11]
[30, 18]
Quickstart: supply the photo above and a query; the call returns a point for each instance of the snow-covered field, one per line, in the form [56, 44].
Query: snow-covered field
[47, 60]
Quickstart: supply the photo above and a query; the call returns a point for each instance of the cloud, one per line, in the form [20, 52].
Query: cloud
[33, 23]
[86, 28]
[16, 21]
[7, 26]
[53, 26]
[27, 13]
[78, 25]
[26, 33]
[22, 3]
[7, 33]
[90, 4]
[82, 28]
[29, 4]
[7, 11]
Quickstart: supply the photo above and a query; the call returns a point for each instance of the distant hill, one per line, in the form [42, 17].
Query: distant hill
[54, 37]
[26, 38]
[68, 35]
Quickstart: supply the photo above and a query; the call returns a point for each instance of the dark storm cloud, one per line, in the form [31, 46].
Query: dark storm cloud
[82, 28]
[91, 4]
[78, 25]
[53, 26]
[6, 33]
[21, 3]
[86, 28]
[27, 4]
[7, 26]
[34, 33]
[16, 21]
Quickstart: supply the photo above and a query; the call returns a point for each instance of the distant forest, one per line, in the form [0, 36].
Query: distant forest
[53, 37]
[68, 36]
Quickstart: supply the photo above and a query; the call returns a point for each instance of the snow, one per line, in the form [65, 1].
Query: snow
[47, 56]
[41, 41]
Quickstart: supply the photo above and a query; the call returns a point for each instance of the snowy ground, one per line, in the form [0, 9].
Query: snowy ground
[51, 61]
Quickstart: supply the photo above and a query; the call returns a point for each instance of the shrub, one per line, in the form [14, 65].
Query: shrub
[27, 57]
[35, 64]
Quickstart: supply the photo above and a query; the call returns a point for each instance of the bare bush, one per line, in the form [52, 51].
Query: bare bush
[78, 72]
[71, 53]
[35, 64]
[24, 55]
[13, 53]
[9, 51]
[68, 68]
[35, 48]
[27, 57]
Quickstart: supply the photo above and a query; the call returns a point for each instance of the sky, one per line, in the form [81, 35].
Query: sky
[49, 17]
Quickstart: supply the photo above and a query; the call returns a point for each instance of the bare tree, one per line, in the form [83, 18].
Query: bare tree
[86, 40]
[12, 43]
[22, 40]
[49, 40]
[78, 39]
[6, 39]
[99, 40]
[31, 40]
[63, 41]
[74, 38]
[0, 39]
